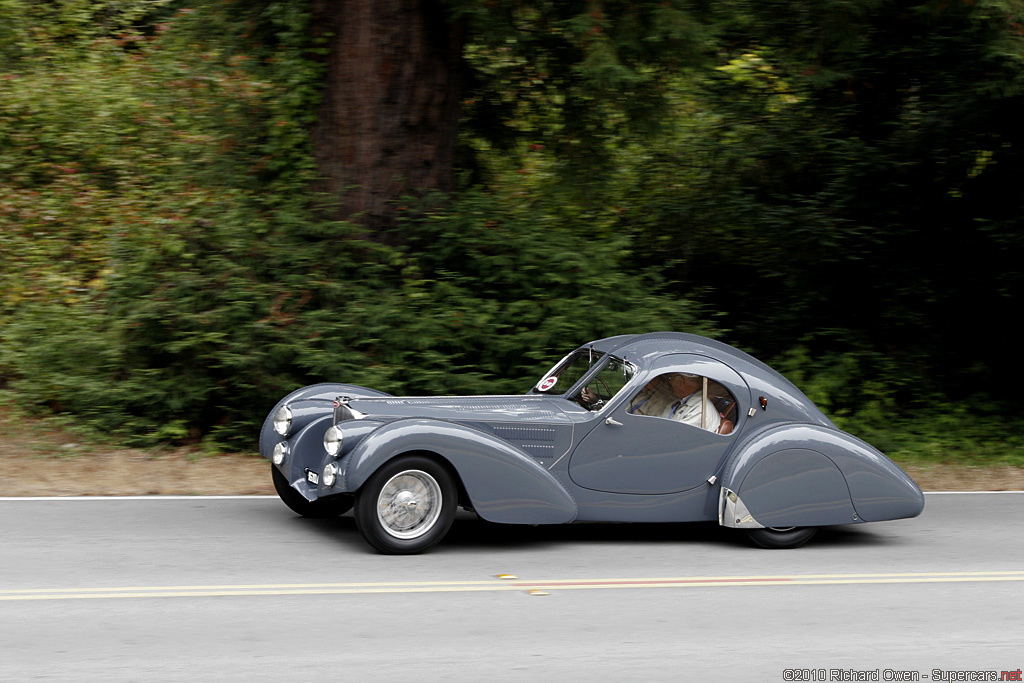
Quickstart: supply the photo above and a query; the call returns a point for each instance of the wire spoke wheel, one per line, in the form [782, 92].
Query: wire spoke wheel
[409, 504]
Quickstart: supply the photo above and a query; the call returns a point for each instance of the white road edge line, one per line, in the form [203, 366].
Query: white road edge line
[958, 493]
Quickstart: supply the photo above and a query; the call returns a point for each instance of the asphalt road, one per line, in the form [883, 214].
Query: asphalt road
[240, 589]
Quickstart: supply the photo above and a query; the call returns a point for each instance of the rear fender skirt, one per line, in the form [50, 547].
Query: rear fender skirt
[811, 475]
[504, 484]
[793, 487]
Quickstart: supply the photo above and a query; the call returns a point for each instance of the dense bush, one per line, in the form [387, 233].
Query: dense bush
[166, 275]
[822, 197]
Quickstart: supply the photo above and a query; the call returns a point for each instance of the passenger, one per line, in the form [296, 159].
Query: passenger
[653, 399]
[692, 407]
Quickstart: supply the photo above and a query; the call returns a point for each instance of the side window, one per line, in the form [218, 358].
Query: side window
[691, 399]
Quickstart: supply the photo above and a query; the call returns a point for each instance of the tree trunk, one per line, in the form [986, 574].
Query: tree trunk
[388, 121]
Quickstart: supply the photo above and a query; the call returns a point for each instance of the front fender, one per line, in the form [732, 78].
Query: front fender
[504, 484]
[810, 475]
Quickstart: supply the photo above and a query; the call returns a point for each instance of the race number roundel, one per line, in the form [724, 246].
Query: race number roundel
[547, 383]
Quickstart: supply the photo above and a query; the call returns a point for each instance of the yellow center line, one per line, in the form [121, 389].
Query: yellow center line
[492, 585]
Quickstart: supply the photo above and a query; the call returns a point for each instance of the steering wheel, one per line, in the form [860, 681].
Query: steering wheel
[598, 400]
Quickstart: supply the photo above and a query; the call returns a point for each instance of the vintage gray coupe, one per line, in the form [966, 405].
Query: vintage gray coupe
[659, 427]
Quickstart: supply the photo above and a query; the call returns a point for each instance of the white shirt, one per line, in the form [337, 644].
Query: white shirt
[688, 410]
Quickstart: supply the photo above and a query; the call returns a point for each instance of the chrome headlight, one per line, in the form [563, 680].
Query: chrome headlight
[280, 452]
[332, 440]
[330, 474]
[283, 420]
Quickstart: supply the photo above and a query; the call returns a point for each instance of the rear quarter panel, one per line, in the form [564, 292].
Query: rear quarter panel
[811, 475]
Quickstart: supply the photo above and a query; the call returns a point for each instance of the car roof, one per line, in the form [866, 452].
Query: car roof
[635, 347]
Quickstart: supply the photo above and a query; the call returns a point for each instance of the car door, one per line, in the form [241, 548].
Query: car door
[627, 452]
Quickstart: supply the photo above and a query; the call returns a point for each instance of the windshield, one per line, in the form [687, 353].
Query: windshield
[569, 371]
[614, 373]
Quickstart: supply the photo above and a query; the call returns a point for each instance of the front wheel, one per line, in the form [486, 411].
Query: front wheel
[789, 537]
[318, 509]
[406, 506]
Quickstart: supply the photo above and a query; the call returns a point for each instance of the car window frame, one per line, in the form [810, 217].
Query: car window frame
[573, 392]
[693, 363]
[597, 369]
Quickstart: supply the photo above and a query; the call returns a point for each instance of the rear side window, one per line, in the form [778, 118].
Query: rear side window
[690, 399]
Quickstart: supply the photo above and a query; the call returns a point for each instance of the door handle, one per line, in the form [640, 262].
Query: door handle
[613, 422]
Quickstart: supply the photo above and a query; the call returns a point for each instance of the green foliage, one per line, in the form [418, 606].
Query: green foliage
[166, 275]
[847, 176]
[576, 77]
[866, 395]
[134, 165]
[835, 183]
[490, 291]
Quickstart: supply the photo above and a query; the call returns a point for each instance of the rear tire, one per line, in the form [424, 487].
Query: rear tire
[407, 505]
[791, 537]
[326, 508]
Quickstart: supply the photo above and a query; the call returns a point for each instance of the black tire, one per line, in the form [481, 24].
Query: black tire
[335, 506]
[792, 537]
[407, 505]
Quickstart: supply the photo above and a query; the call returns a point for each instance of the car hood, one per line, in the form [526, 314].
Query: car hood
[465, 409]
[537, 425]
